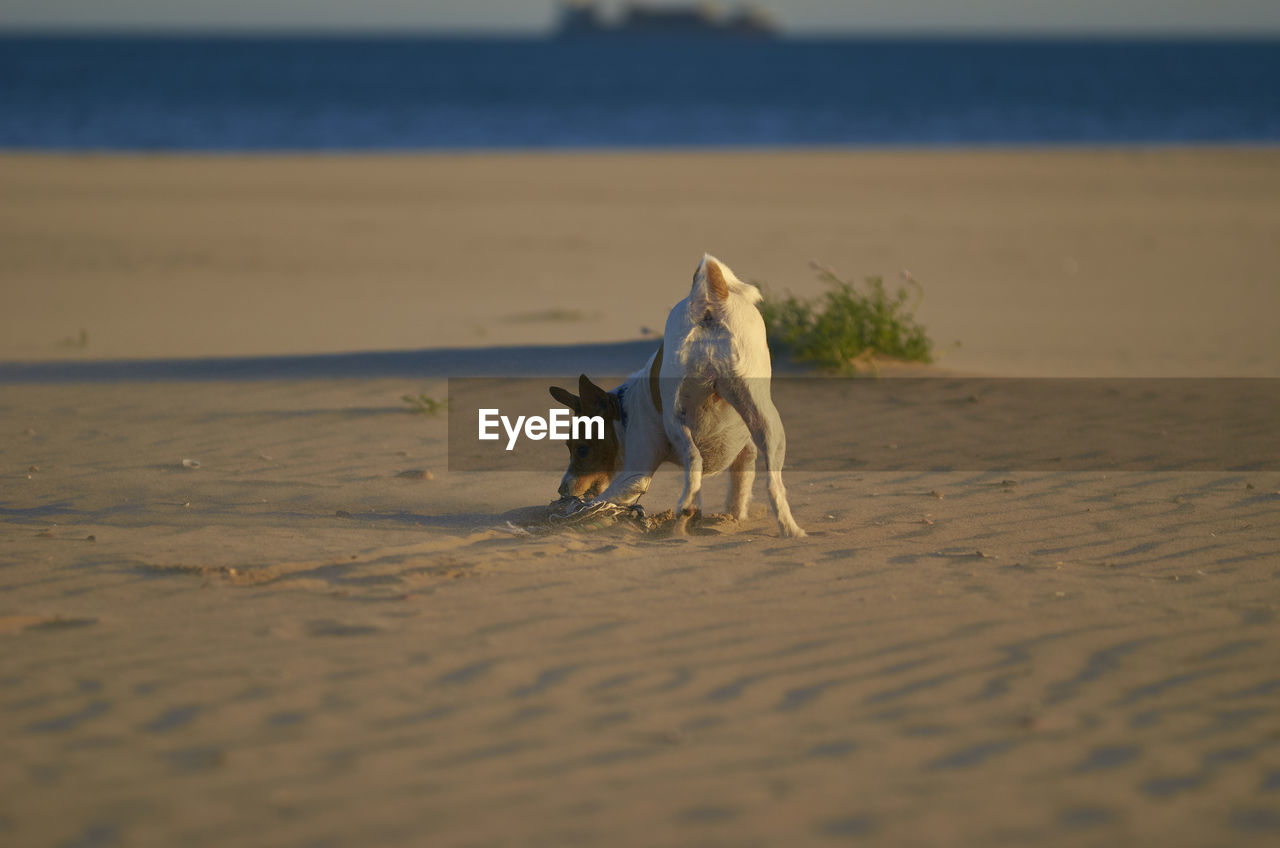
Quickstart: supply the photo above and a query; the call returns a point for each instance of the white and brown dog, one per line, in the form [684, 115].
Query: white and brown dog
[702, 400]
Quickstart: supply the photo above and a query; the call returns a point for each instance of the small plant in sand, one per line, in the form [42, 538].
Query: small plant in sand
[422, 404]
[849, 328]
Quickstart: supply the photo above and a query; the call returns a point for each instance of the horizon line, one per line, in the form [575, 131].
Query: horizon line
[391, 32]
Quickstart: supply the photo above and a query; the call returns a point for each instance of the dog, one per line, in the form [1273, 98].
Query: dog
[702, 400]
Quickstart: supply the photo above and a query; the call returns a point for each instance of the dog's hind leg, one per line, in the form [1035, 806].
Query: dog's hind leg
[741, 475]
[691, 459]
[752, 401]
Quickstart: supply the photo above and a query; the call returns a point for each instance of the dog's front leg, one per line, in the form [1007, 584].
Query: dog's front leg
[627, 488]
[645, 452]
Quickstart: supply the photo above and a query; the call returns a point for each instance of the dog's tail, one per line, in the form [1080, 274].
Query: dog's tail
[713, 284]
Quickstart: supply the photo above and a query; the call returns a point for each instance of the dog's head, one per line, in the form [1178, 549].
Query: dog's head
[592, 462]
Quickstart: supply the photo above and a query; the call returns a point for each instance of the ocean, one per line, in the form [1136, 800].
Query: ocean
[388, 94]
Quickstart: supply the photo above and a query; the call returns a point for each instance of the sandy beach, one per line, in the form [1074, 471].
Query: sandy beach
[312, 632]
[1117, 263]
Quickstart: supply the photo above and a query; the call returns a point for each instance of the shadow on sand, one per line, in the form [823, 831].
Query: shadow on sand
[514, 361]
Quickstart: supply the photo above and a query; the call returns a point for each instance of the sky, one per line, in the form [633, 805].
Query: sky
[1189, 17]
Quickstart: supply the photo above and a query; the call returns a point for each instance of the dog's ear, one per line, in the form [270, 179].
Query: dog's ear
[716, 285]
[567, 399]
[596, 401]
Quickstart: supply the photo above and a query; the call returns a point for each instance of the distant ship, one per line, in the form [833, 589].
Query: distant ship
[583, 18]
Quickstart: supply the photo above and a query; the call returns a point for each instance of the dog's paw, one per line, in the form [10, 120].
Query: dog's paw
[791, 531]
[686, 516]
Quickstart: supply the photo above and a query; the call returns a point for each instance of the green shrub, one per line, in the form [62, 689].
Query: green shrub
[421, 404]
[846, 328]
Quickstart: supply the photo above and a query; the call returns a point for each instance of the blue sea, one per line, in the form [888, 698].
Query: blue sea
[337, 94]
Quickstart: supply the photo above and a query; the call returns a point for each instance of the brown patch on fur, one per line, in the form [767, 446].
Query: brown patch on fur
[654, 370]
[592, 462]
[715, 281]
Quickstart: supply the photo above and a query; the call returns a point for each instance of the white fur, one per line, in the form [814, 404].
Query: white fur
[717, 410]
